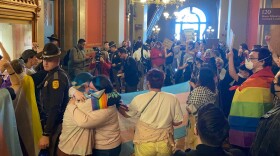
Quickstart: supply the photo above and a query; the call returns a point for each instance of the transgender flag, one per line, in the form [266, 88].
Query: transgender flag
[9, 141]
[127, 125]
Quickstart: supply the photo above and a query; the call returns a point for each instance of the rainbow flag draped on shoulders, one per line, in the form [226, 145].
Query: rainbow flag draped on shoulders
[251, 101]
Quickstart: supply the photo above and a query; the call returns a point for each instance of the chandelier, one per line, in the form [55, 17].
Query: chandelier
[159, 2]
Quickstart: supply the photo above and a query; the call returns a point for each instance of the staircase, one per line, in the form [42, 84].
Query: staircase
[154, 19]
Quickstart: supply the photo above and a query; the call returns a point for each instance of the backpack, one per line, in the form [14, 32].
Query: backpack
[66, 57]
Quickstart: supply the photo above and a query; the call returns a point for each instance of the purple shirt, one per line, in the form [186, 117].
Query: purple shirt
[6, 83]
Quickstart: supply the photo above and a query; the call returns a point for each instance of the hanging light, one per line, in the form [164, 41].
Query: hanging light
[159, 2]
[156, 29]
[166, 15]
[165, 1]
[176, 14]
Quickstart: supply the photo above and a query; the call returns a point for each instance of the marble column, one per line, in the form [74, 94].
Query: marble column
[223, 19]
[141, 21]
[275, 30]
[115, 20]
[237, 20]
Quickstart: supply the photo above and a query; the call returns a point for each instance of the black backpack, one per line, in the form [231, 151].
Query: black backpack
[66, 57]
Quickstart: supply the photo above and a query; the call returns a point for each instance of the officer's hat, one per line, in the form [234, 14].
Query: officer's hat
[112, 43]
[122, 50]
[50, 50]
[53, 37]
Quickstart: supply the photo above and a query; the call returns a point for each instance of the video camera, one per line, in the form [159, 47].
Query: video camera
[97, 53]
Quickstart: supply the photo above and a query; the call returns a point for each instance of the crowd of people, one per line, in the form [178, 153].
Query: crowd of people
[68, 103]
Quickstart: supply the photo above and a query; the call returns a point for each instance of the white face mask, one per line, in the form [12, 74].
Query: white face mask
[249, 64]
[240, 75]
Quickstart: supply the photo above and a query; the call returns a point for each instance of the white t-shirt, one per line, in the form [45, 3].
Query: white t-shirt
[137, 54]
[161, 112]
[30, 71]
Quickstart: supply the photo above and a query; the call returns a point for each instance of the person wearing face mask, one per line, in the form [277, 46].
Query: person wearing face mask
[267, 140]
[30, 61]
[251, 100]
[26, 111]
[232, 80]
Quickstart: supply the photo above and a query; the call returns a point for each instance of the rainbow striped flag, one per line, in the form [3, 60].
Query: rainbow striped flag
[99, 100]
[251, 101]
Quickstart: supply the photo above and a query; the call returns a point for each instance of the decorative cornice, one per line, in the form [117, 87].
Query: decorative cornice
[23, 5]
[20, 9]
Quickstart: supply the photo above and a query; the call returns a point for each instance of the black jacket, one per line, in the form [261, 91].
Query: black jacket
[130, 71]
[204, 150]
[267, 141]
[116, 60]
[54, 99]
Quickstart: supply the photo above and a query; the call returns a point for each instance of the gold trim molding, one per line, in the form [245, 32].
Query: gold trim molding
[21, 10]
[23, 5]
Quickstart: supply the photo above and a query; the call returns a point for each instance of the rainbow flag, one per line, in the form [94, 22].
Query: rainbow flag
[127, 125]
[250, 102]
[99, 100]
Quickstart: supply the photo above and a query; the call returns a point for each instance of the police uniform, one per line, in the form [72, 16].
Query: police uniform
[54, 98]
[115, 59]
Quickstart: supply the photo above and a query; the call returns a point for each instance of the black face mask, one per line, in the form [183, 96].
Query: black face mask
[272, 89]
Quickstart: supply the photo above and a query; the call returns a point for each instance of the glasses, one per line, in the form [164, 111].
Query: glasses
[249, 59]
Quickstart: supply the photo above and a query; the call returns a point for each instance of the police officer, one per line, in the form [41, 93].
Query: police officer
[54, 98]
[116, 65]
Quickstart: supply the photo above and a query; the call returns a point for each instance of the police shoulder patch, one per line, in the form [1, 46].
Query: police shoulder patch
[55, 84]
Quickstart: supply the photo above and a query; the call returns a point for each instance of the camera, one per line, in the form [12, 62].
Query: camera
[97, 53]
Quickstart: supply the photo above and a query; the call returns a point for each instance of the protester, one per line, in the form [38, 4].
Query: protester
[158, 112]
[26, 111]
[267, 140]
[203, 93]
[9, 140]
[211, 129]
[85, 128]
[254, 92]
